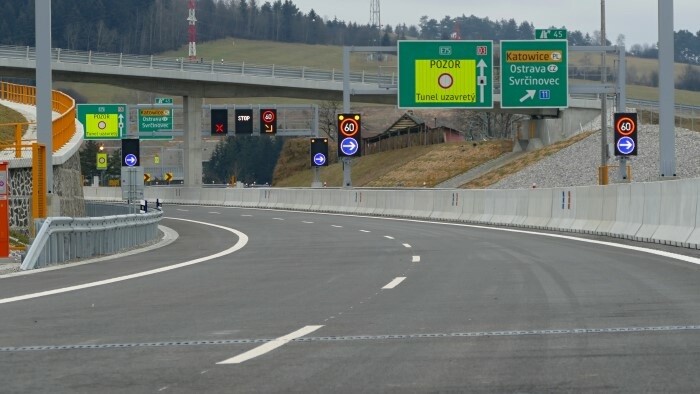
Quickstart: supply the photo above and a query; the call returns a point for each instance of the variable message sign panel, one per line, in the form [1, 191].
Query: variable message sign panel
[534, 74]
[445, 74]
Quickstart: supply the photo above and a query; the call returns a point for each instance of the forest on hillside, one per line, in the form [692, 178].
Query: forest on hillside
[152, 26]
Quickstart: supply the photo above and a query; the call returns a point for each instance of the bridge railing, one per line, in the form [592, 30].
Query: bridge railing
[63, 127]
[60, 55]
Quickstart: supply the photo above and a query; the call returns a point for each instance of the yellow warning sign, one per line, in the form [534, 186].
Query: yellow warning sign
[154, 112]
[102, 125]
[446, 81]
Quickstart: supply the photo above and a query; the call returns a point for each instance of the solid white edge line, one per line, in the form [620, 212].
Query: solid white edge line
[242, 241]
[670, 255]
[169, 236]
[394, 282]
[407, 245]
[270, 346]
[416, 259]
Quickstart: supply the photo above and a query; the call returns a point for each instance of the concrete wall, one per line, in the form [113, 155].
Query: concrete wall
[659, 212]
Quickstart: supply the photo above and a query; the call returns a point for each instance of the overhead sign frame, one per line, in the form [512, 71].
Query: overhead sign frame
[445, 74]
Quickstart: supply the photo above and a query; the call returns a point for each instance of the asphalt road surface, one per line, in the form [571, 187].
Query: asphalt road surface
[271, 301]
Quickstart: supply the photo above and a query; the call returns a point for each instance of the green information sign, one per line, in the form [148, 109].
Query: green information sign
[445, 74]
[103, 121]
[534, 74]
[550, 34]
[164, 101]
[155, 119]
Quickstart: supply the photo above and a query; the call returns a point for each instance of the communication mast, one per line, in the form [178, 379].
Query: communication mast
[374, 15]
[192, 30]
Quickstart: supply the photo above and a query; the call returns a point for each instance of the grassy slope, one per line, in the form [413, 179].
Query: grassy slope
[7, 115]
[410, 167]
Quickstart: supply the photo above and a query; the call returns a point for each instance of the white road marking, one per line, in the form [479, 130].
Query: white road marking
[270, 346]
[388, 237]
[277, 219]
[394, 282]
[183, 210]
[304, 221]
[242, 241]
[247, 216]
[336, 226]
[214, 213]
[365, 231]
[416, 259]
[407, 245]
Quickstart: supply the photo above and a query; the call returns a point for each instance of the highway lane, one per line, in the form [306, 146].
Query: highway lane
[478, 310]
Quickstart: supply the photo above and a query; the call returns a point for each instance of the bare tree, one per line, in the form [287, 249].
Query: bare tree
[327, 112]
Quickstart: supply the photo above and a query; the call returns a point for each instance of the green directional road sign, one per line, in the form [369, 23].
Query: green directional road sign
[550, 34]
[103, 121]
[164, 101]
[445, 74]
[155, 119]
[534, 74]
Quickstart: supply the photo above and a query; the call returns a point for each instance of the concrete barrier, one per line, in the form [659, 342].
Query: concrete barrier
[395, 204]
[678, 211]
[211, 196]
[651, 211]
[447, 205]
[522, 201]
[504, 206]
[469, 213]
[589, 210]
[251, 198]
[563, 209]
[609, 212]
[188, 195]
[539, 208]
[422, 206]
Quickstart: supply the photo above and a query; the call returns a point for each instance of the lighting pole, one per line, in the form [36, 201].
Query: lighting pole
[604, 104]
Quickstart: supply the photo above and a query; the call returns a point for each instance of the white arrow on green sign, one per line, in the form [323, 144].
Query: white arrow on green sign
[445, 74]
[103, 121]
[534, 74]
[550, 34]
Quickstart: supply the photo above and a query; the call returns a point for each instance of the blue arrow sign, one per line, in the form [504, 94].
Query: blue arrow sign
[625, 145]
[130, 160]
[319, 159]
[349, 146]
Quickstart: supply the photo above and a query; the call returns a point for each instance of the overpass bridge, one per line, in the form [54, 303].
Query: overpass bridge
[197, 80]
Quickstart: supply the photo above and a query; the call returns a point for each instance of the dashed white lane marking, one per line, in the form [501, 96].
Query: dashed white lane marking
[277, 219]
[388, 237]
[365, 231]
[270, 346]
[214, 213]
[394, 282]
[247, 216]
[242, 241]
[407, 245]
[336, 226]
[304, 221]
[183, 210]
[416, 259]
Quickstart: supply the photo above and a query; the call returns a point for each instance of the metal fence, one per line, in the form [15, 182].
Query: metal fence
[61, 239]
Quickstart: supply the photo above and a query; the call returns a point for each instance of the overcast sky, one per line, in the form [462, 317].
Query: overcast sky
[636, 19]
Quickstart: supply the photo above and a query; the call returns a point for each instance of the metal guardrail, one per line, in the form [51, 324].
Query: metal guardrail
[62, 239]
[69, 56]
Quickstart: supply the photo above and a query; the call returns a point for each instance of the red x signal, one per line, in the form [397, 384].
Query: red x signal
[219, 127]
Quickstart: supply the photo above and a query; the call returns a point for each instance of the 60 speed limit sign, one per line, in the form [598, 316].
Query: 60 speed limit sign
[625, 124]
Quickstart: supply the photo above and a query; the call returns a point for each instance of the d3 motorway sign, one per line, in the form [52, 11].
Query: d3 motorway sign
[103, 121]
[534, 74]
[445, 74]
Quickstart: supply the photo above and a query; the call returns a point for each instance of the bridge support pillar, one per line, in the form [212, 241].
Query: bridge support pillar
[192, 110]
